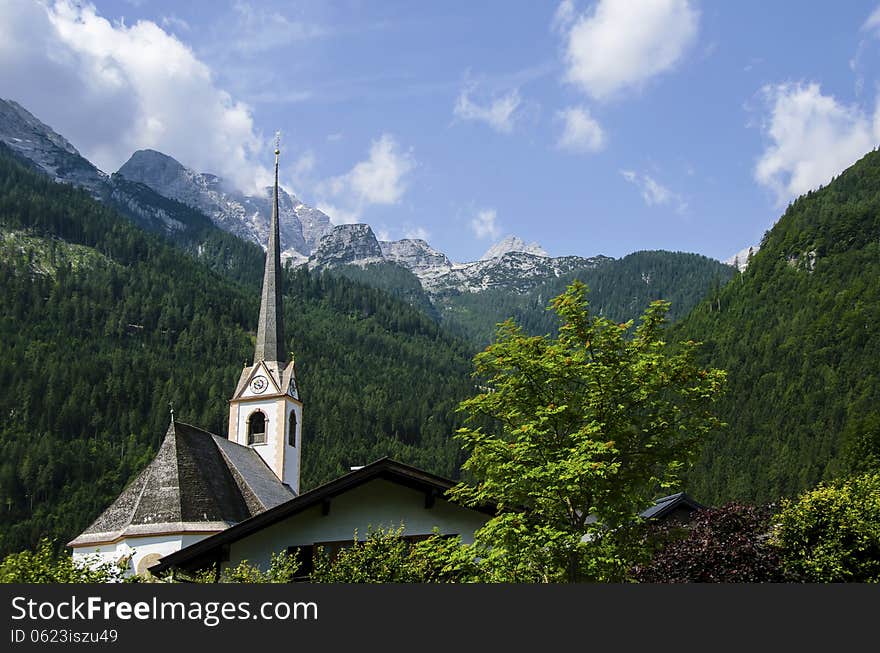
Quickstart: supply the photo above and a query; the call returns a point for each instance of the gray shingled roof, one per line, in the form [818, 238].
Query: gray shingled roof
[197, 482]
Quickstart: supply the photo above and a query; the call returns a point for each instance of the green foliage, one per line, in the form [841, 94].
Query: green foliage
[730, 544]
[387, 556]
[572, 436]
[43, 565]
[832, 534]
[394, 279]
[283, 568]
[799, 334]
[103, 325]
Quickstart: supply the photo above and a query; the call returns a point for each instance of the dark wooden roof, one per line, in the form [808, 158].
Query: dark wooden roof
[197, 481]
[666, 505]
[384, 468]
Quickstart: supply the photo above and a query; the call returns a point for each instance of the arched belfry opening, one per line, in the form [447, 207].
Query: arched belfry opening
[256, 428]
[291, 429]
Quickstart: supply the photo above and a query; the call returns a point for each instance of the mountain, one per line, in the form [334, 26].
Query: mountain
[50, 152]
[740, 260]
[513, 244]
[347, 244]
[799, 334]
[246, 216]
[417, 256]
[42, 149]
[104, 325]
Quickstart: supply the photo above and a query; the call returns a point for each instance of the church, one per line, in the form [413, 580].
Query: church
[208, 501]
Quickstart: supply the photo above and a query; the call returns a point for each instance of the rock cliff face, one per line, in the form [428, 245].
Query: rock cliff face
[247, 216]
[46, 149]
[347, 244]
[514, 271]
[513, 244]
[418, 256]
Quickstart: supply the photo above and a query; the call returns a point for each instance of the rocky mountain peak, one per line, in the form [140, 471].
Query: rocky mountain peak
[417, 255]
[347, 244]
[49, 151]
[513, 244]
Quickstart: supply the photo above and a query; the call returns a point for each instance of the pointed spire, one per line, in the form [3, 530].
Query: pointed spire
[270, 329]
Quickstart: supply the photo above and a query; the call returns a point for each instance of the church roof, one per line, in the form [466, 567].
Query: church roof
[197, 482]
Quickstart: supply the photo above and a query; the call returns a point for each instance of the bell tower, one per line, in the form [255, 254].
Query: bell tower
[265, 411]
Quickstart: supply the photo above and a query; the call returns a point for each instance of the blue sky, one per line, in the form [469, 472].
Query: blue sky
[591, 127]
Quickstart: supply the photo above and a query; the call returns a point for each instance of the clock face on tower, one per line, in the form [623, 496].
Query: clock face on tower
[259, 384]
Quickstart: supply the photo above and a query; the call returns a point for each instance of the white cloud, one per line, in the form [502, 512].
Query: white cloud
[653, 192]
[338, 215]
[173, 21]
[380, 179]
[111, 89]
[485, 224]
[258, 30]
[499, 113]
[812, 137]
[872, 23]
[618, 45]
[418, 233]
[581, 132]
[564, 16]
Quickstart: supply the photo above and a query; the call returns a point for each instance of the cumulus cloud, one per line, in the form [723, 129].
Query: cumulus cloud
[499, 112]
[140, 85]
[485, 224]
[653, 192]
[619, 45]
[338, 214]
[380, 179]
[580, 132]
[812, 137]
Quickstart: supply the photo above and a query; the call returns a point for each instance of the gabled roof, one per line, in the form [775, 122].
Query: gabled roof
[384, 468]
[665, 505]
[197, 482]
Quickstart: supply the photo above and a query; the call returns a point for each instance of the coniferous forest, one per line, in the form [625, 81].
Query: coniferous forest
[799, 334]
[104, 327]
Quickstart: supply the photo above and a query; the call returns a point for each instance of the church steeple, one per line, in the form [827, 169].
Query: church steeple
[270, 328]
[265, 411]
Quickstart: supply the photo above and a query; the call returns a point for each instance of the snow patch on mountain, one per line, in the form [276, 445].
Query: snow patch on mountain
[740, 260]
[513, 244]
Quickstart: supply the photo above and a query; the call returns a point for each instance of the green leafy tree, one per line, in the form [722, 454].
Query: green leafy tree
[831, 534]
[571, 436]
[386, 556]
[43, 565]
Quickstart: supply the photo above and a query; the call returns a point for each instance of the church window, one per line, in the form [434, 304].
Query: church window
[291, 429]
[257, 428]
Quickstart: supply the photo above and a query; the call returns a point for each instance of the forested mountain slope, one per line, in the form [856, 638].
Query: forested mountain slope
[799, 333]
[103, 325]
[619, 289]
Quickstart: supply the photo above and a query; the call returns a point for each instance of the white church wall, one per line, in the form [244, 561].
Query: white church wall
[274, 412]
[377, 503]
[292, 454]
[136, 549]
